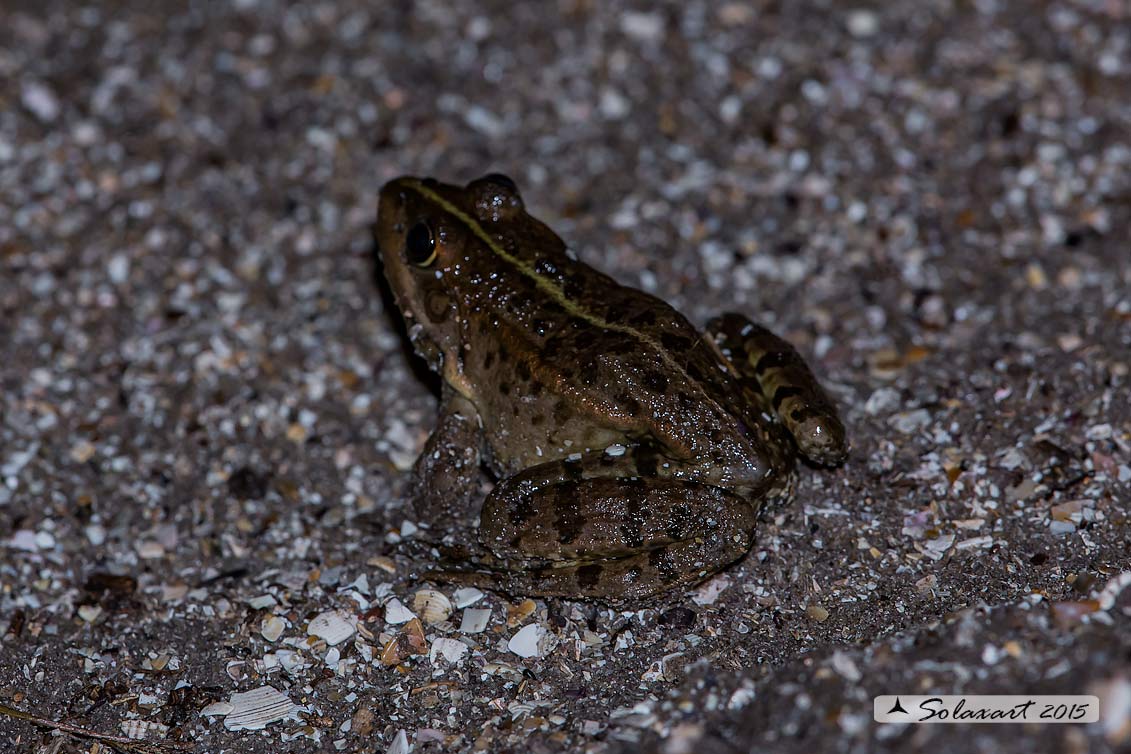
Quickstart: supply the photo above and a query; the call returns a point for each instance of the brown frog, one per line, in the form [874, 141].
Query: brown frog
[631, 452]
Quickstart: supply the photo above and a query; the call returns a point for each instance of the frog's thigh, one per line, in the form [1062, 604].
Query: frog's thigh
[610, 517]
[786, 381]
[645, 573]
[447, 477]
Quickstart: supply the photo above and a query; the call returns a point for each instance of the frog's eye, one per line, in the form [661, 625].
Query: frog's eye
[420, 246]
[495, 195]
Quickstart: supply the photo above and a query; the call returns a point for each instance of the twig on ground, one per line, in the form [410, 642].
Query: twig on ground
[120, 742]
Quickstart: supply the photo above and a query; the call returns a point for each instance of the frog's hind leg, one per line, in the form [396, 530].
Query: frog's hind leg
[787, 384]
[606, 518]
[619, 580]
[611, 527]
[611, 539]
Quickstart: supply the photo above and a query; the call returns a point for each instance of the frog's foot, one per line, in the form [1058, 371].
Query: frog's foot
[787, 383]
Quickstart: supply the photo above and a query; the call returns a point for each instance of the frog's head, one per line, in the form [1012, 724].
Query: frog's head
[433, 239]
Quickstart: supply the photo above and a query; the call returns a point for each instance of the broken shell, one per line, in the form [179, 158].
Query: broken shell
[89, 613]
[236, 670]
[158, 663]
[217, 709]
[272, 627]
[452, 650]
[362, 721]
[466, 596]
[333, 626]
[291, 661]
[83, 452]
[709, 592]
[139, 730]
[386, 564]
[1071, 510]
[475, 620]
[258, 708]
[262, 602]
[534, 640]
[410, 641]
[433, 606]
[518, 613]
[400, 744]
[396, 613]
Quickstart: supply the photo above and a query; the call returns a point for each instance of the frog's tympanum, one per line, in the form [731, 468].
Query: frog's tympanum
[631, 452]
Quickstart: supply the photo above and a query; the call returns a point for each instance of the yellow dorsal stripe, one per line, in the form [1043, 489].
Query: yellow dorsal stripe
[552, 289]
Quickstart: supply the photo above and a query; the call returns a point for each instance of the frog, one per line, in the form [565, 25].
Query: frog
[631, 453]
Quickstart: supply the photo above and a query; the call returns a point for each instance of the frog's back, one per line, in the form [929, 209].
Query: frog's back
[596, 362]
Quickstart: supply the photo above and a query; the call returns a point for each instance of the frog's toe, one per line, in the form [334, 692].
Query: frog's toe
[822, 439]
[480, 579]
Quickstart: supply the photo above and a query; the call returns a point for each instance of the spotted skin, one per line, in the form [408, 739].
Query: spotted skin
[631, 455]
[634, 577]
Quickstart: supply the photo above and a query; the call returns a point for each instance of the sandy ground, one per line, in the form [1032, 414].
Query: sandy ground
[207, 408]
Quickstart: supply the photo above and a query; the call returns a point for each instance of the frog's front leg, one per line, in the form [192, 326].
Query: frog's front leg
[447, 475]
[592, 528]
[783, 377]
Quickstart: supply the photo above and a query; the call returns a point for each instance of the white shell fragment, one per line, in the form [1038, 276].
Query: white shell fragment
[333, 626]
[452, 650]
[936, 548]
[707, 593]
[396, 613]
[400, 744]
[534, 640]
[1111, 590]
[291, 661]
[475, 620]
[236, 670]
[272, 627]
[432, 606]
[466, 596]
[217, 709]
[262, 602]
[139, 730]
[843, 664]
[255, 709]
[89, 613]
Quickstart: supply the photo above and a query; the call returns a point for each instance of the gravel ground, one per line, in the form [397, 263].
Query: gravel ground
[208, 410]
